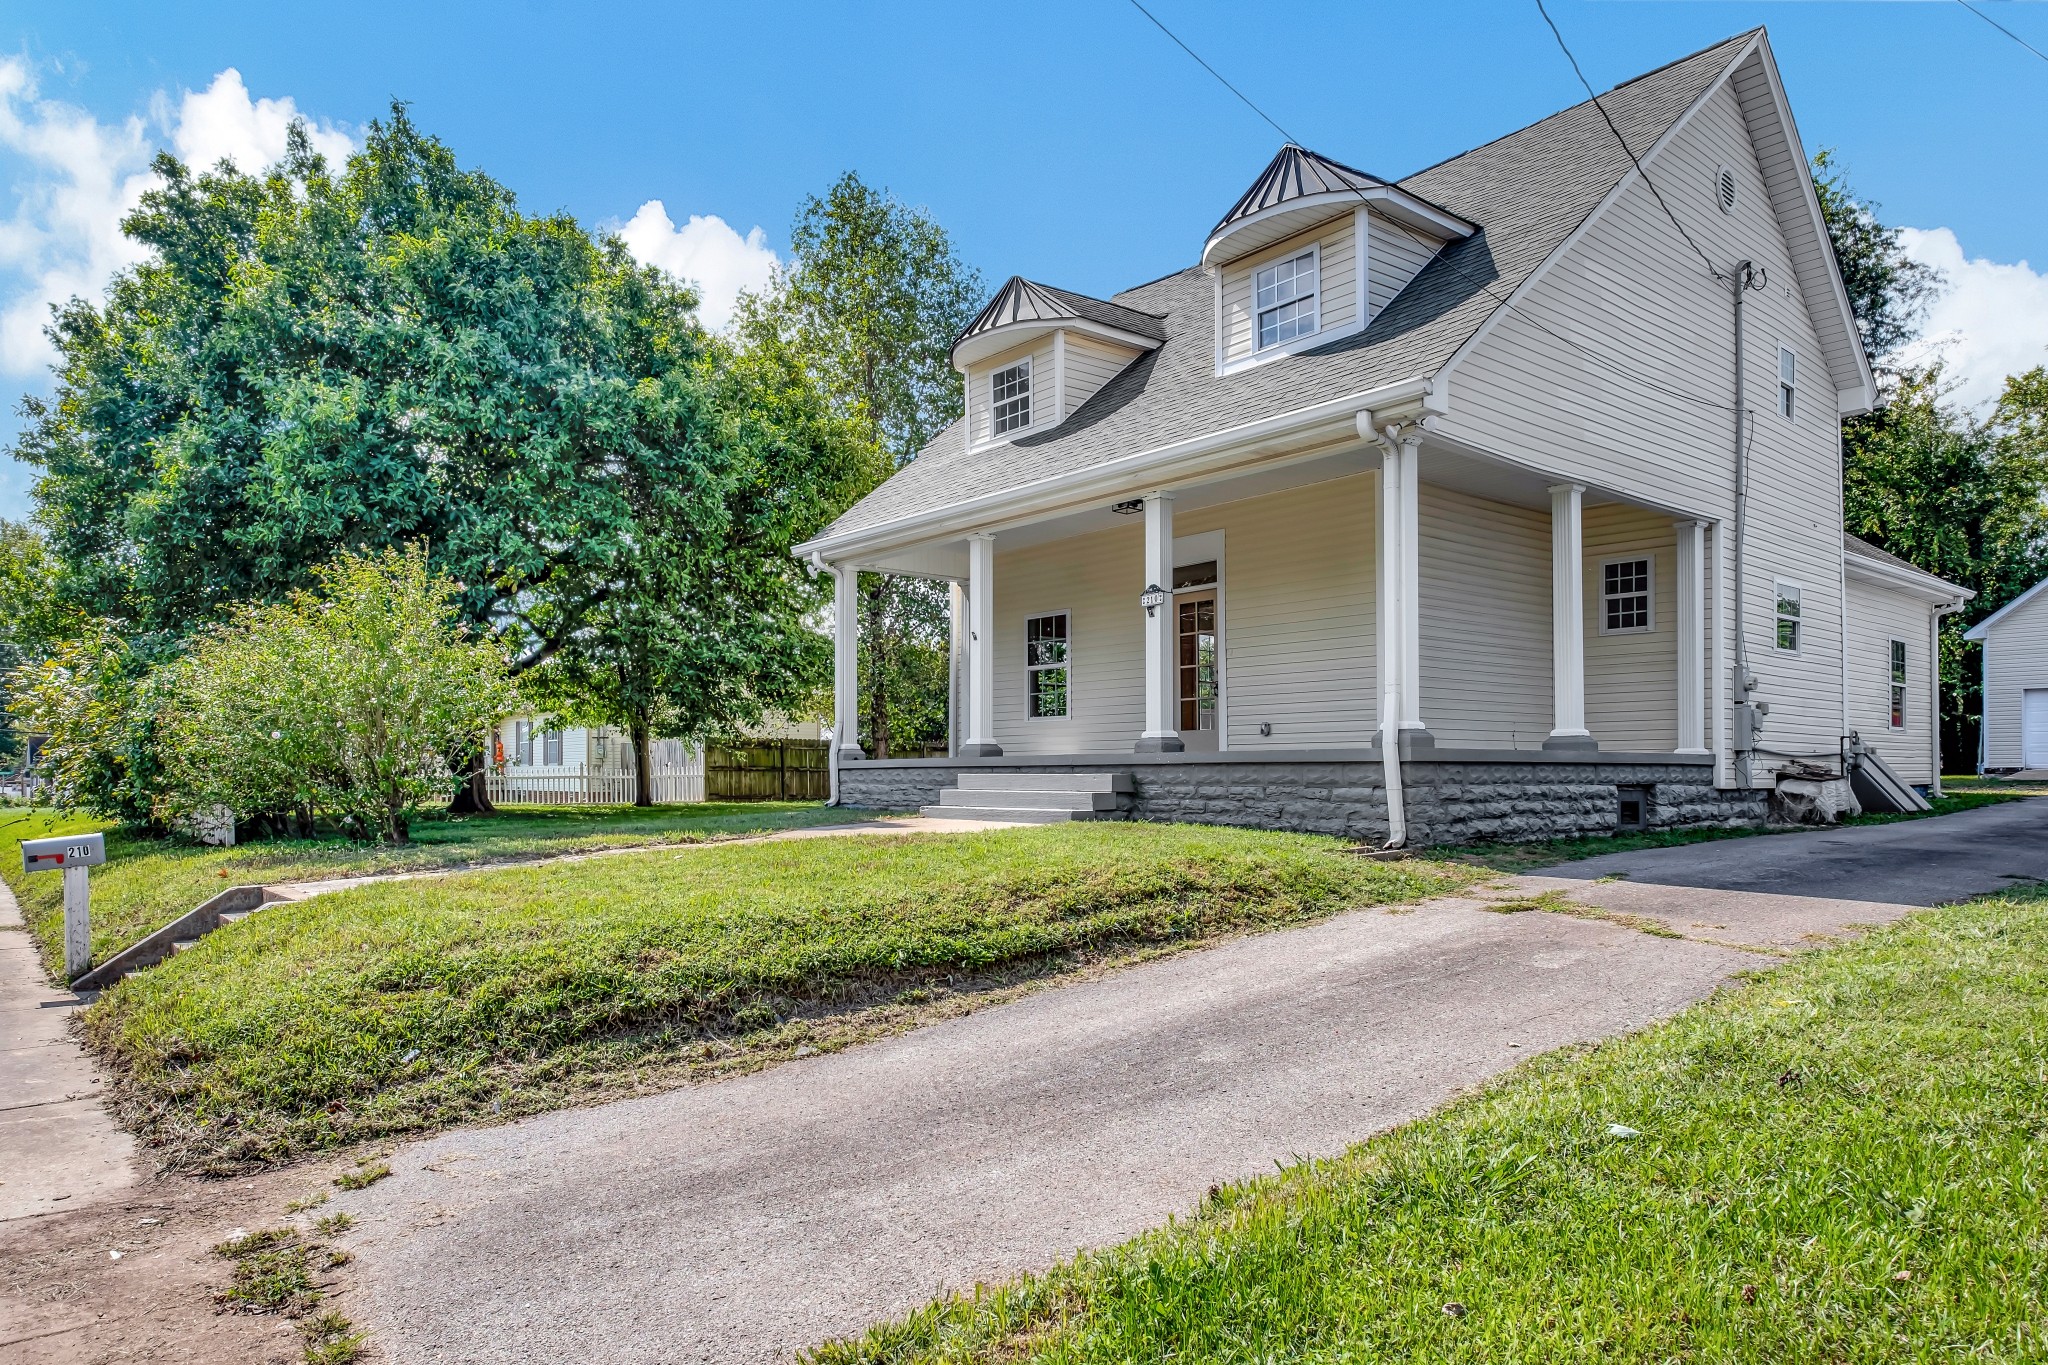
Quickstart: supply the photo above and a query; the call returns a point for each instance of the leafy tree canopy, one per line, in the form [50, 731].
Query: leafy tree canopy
[1889, 289]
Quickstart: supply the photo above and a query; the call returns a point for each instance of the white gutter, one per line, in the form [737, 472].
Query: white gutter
[1909, 580]
[1179, 460]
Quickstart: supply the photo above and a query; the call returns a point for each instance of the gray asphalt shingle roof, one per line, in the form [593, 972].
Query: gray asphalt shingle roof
[1527, 191]
[1022, 300]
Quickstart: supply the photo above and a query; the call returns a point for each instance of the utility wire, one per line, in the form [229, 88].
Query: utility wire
[1434, 247]
[2000, 27]
[1577, 71]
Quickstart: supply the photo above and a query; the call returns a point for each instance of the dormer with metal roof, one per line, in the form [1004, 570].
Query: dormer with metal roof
[1300, 188]
[1037, 353]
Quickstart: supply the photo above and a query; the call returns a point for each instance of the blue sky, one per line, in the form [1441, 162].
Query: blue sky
[1066, 139]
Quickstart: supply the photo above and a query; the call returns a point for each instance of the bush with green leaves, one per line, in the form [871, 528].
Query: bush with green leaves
[355, 702]
[92, 703]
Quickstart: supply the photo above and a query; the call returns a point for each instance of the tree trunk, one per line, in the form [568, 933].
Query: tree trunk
[643, 765]
[473, 797]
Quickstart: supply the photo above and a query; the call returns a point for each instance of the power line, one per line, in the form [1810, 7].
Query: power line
[1434, 247]
[2001, 28]
[1562, 46]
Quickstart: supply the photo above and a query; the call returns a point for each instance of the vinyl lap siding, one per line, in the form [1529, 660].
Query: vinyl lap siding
[1097, 579]
[1298, 614]
[2015, 658]
[1631, 293]
[1877, 616]
[1337, 282]
[1393, 256]
[1632, 678]
[1485, 629]
[1090, 365]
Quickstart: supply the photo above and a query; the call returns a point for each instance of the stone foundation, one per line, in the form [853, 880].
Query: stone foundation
[1455, 797]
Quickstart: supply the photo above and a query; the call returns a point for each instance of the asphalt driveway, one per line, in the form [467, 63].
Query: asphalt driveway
[743, 1219]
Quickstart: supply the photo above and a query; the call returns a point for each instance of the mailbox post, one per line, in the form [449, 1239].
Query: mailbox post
[71, 854]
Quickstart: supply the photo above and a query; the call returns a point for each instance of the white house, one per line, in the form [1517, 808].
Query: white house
[1488, 501]
[2014, 735]
[535, 762]
[1892, 666]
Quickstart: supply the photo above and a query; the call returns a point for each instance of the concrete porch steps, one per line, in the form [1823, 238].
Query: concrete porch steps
[1037, 798]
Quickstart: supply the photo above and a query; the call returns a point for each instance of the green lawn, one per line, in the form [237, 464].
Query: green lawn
[1543, 853]
[1842, 1160]
[395, 1008]
[148, 882]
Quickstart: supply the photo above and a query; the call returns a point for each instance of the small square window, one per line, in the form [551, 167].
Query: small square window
[1898, 684]
[1048, 658]
[1010, 396]
[1632, 808]
[1285, 299]
[1788, 381]
[1789, 619]
[1625, 596]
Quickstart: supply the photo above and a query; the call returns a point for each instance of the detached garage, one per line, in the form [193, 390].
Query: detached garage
[1891, 665]
[2015, 640]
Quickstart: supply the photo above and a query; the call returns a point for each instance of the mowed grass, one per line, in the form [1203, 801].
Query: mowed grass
[1842, 1160]
[395, 1008]
[148, 882]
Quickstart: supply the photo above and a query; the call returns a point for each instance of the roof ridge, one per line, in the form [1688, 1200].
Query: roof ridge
[1560, 113]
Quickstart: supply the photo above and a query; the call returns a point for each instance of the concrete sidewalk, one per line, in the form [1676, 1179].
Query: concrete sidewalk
[59, 1147]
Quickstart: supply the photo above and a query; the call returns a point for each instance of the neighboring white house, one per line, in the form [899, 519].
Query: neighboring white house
[534, 763]
[1454, 457]
[2014, 736]
[1892, 666]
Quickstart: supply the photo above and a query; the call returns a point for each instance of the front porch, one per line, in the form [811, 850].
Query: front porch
[1244, 641]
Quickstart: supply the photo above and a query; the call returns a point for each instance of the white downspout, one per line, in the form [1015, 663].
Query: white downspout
[1934, 694]
[1394, 468]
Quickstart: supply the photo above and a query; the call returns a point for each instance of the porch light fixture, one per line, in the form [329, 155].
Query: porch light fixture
[1151, 598]
[1128, 509]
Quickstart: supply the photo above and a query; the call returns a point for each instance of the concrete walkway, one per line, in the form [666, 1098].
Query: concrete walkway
[59, 1148]
[741, 1220]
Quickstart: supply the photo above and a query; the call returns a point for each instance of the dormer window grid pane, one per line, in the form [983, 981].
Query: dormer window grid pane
[1285, 299]
[1010, 394]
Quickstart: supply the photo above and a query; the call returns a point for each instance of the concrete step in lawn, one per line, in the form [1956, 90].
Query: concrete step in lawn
[1036, 798]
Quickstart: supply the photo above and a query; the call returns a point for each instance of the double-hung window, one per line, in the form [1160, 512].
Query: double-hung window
[1010, 396]
[1286, 299]
[551, 747]
[1625, 596]
[522, 743]
[1048, 659]
[1788, 381]
[1898, 677]
[1788, 616]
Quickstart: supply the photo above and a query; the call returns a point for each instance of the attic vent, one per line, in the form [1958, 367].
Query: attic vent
[1724, 189]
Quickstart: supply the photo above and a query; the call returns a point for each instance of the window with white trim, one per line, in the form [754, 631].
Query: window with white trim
[1789, 619]
[1788, 382]
[1047, 659]
[1625, 596]
[522, 743]
[1009, 394]
[1284, 298]
[1898, 680]
[551, 747]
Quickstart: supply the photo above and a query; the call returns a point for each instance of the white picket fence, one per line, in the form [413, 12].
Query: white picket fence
[580, 787]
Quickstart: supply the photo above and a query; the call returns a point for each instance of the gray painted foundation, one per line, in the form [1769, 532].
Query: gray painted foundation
[1453, 796]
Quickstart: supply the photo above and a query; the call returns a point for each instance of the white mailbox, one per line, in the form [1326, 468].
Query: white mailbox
[70, 854]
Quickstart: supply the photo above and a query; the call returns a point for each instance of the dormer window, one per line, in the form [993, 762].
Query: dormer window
[1286, 299]
[1010, 396]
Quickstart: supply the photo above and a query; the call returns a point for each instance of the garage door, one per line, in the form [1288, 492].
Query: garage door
[2034, 727]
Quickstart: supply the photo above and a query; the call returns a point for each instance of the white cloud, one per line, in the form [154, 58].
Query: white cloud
[1991, 321]
[705, 251]
[75, 178]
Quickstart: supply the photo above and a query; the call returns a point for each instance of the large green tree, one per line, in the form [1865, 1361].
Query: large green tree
[870, 302]
[1956, 493]
[316, 360]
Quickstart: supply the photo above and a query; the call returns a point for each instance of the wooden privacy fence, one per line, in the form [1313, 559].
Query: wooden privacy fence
[768, 770]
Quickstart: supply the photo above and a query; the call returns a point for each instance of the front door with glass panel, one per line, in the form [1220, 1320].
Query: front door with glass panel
[1199, 655]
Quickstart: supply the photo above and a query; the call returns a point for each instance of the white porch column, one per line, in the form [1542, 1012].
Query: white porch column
[846, 661]
[956, 665]
[1567, 620]
[1162, 693]
[981, 648]
[1691, 591]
